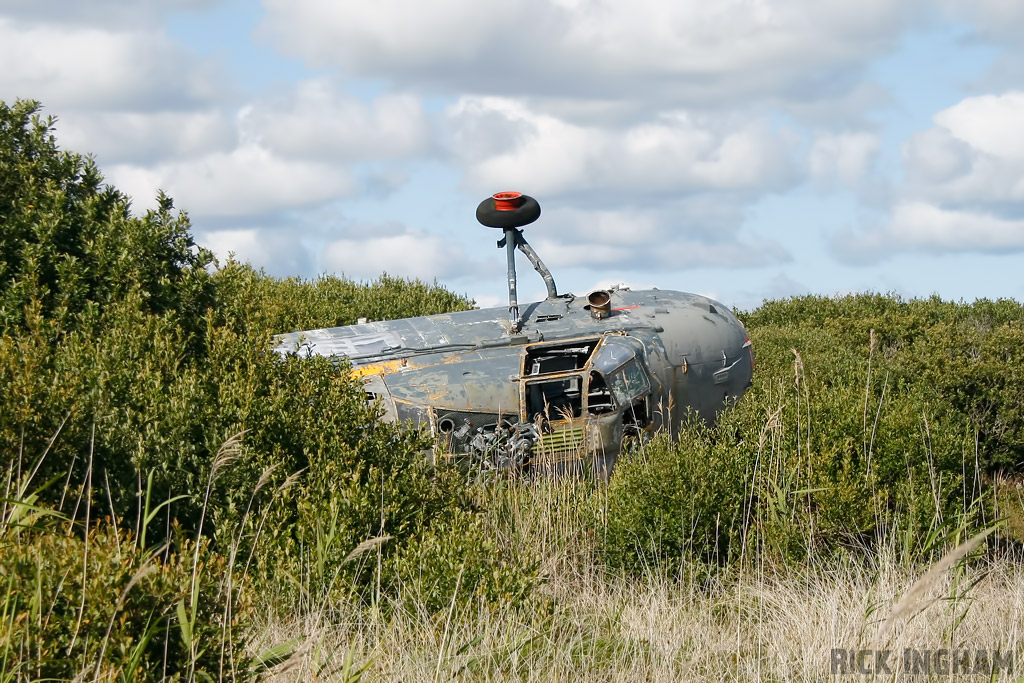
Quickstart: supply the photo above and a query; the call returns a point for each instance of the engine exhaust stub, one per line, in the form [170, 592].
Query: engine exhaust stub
[599, 304]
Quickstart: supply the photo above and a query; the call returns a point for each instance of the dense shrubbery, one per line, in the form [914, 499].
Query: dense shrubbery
[964, 360]
[121, 346]
[103, 606]
[675, 502]
[71, 246]
[250, 301]
[126, 361]
[870, 417]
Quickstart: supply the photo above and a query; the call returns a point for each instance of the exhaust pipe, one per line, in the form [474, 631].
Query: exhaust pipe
[599, 304]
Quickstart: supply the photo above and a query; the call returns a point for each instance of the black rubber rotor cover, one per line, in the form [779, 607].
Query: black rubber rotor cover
[527, 212]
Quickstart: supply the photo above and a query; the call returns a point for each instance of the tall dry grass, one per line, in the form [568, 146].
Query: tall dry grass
[762, 622]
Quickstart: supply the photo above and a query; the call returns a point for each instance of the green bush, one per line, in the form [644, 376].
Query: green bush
[128, 363]
[71, 246]
[849, 435]
[459, 561]
[669, 503]
[99, 606]
[963, 360]
[254, 302]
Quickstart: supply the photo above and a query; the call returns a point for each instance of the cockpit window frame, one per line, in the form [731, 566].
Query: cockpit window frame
[567, 406]
[607, 356]
[551, 359]
[628, 390]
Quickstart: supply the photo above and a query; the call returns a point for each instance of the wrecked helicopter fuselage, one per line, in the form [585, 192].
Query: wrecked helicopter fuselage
[560, 384]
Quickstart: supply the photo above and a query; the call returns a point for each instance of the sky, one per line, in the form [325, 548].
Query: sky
[741, 149]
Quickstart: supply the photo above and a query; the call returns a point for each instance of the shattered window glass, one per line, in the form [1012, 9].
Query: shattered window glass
[611, 355]
[628, 382]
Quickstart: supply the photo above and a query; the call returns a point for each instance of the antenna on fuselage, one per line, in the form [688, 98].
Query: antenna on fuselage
[510, 211]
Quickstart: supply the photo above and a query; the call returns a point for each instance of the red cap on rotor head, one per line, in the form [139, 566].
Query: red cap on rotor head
[507, 201]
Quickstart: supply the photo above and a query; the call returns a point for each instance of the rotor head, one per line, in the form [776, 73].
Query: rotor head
[508, 210]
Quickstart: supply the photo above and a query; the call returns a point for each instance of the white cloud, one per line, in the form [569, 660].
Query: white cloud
[246, 181]
[990, 124]
[935, 156]
[278, 253]
[843, 158]
[964, 188]
[973, 155]
[285, 153]
[411, 254]
[348, 34]
[707, 218]
[142, 138]
[317, 121]
[672, 153]
[670, 255]
[105, 13]
[673, 51]
[924, 227]
[69, 67]
[681, 236]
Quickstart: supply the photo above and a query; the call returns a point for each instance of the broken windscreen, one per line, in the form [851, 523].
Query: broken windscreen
[613, 352]
[628, 381]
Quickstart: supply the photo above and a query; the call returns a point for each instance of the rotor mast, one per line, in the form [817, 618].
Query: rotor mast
[510, 211]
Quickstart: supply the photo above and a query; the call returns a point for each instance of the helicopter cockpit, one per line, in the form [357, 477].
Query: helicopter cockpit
[601, 384]
[618, 367]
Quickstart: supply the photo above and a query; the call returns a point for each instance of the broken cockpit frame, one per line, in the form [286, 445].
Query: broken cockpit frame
[577, 397]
